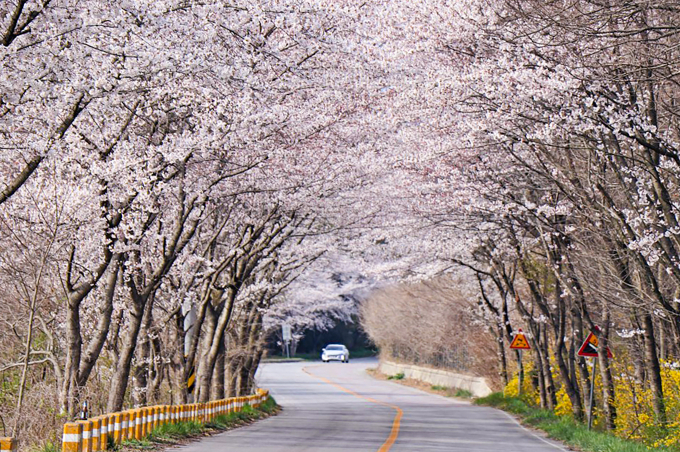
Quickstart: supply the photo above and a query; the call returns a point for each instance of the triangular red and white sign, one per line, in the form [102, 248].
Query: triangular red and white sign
[589, 347]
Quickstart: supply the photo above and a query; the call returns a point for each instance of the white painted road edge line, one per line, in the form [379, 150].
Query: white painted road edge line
[534, 434]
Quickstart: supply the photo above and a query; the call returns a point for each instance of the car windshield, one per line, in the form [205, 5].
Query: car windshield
[334, 347]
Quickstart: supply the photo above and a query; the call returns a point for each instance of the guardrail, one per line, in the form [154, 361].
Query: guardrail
[8, 444]
[97, 433]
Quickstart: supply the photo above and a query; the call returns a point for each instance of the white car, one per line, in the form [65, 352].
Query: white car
[335, 352]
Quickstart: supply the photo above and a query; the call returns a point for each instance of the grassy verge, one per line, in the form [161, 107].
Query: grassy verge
[171, 434]
[400, 378]
[564, 428]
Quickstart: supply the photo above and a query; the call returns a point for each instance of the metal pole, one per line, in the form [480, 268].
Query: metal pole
[287, 349]
[519, 376]
[592, 390]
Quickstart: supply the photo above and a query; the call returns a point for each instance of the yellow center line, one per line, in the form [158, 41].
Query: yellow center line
[397, 418]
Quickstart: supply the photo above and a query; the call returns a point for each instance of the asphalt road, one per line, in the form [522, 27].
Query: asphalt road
[338, 407]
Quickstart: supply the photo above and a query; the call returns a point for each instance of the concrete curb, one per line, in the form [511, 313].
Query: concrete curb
[476, 385]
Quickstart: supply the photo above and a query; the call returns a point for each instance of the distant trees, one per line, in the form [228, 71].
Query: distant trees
[430, 323]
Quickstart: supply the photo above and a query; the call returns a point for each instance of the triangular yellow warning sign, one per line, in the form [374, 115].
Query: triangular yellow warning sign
[520, 341]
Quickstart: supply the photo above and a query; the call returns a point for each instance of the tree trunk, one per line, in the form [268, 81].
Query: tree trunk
[208, 359]
[608, 394]
[654, 369]
[121, 376]
[550, 393]
[538, 368]
[232, 376]
[501, 355]
[570, 386]
[218, 378]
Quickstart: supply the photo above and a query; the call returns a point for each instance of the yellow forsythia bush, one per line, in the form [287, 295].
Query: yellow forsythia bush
[635, 414]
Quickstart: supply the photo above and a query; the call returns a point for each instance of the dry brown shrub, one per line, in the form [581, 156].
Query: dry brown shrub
[432, 323]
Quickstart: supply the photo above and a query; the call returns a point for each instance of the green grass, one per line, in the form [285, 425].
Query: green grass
[565, 428]
[453, 392]
[138, 444]
[48, 446]
[399, 376]
[169, 432]
[463, 394]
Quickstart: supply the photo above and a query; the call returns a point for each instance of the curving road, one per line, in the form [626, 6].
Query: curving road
[339, 407]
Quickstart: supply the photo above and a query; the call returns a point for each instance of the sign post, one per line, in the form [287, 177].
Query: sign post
[287, 333]
[519, 343]
[592, 391]
[589, 349]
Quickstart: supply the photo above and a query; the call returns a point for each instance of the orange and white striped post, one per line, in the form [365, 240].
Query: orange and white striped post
[159, 411]
[72, 439]
[150, 413]
[145, 422]
[96, 425]
[150, 419]
[104, 432]
[114, 426]
[124, 425]
[138, 424]
[132, 420]
[117, 431]
[148, 424]
[87, 436]
[158, 416]
[8, 444]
